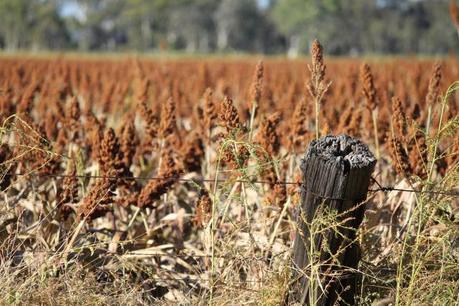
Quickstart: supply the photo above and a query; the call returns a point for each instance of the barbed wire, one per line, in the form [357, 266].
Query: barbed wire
[381, 188]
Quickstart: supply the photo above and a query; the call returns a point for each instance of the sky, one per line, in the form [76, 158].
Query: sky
[71, 8]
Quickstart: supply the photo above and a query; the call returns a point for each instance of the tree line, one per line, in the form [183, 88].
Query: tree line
[345, 27]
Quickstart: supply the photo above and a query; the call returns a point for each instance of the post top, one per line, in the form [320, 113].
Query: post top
[342, 148]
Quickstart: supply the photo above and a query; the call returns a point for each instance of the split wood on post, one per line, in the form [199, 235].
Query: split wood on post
[336, 175]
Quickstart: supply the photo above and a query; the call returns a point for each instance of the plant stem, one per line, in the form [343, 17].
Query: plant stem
[317, 111]
[252, 119]
[374, 117]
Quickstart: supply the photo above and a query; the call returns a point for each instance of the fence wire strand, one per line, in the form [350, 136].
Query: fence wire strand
[380, 188]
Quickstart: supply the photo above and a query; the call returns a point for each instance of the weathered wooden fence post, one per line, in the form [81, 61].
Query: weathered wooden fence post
[336, 176]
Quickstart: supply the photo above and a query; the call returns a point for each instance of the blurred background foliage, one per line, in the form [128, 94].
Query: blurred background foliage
[345, 27]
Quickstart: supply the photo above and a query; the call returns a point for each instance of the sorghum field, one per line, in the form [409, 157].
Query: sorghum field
[149, 181]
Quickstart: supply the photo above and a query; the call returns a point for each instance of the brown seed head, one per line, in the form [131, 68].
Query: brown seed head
[229, 116]
[109, 159]
[398, 119]
[353, 129]
[210, 111]
[167, 124]
[434, 85]
[168, 174]
[239, 158]
[93, 127]
[256, 86]
[268, 136]
[7, 107]
[346, 117]
[73, 119]
[50, 126]
[299, 125]
[399, 157]
[369, 90]
[193, 153]
[26, 102]
[129, 140]
[97, 201]
[151, 121]
[277, 195]
[142, 88]
[418, 155]
[69, 193]
[316, 85]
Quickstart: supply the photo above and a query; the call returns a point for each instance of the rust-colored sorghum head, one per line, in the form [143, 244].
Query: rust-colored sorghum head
[257, 84]
[98, 200]
[368, 87]
[267, 136]
[69, 190]
[434, 85]
[398, 119]
[167, 176]
[229, 117]
[316, 85]
[192, 153]
[399, 157]
[167, 123]
[209, 111]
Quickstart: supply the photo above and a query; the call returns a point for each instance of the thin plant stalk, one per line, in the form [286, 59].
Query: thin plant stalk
[252, 119]
[429, 119]
[317, 112]
[374, 117]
